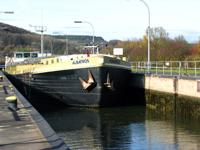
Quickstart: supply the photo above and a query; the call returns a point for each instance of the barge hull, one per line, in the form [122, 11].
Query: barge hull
[65, 86]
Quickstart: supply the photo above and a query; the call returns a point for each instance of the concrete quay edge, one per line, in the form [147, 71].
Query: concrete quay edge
[49, 134]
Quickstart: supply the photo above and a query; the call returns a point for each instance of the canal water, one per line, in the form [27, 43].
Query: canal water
[123, 128]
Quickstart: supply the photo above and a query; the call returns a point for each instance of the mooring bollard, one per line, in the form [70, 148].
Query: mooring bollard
[12, 101]
[1, 78]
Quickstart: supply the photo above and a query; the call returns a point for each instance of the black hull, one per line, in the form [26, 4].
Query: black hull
[65, 86]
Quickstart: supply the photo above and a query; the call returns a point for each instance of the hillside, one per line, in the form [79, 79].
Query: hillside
[12, 29]
[81, 39]
[17, 39]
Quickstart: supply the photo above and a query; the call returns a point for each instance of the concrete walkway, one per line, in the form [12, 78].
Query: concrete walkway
[17, 129]
[22, 129]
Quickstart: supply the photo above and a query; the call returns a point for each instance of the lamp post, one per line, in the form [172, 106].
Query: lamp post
[67, 51]
[149, 68]
[92, 28]
[40, 29]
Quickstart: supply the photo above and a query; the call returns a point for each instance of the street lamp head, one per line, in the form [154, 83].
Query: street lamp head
[56, 32]
[77, 21]
[9, 12]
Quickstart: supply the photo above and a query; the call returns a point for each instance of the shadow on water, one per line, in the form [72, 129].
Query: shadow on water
[134, 127]
[87, 128]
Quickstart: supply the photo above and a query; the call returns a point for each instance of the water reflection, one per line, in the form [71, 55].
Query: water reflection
[175, 132]
[123, 128]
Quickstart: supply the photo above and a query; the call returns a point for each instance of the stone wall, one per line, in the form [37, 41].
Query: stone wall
[187, 87]
[169, 94]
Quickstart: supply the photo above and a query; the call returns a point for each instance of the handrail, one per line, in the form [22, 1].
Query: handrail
[178, 68]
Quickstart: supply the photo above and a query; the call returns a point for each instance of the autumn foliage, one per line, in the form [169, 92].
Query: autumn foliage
[162, 48]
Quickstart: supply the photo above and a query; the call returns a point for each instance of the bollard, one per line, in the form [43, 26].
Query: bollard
[12, 101]
[1, 78]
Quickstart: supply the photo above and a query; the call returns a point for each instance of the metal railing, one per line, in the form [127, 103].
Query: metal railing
[178, 68]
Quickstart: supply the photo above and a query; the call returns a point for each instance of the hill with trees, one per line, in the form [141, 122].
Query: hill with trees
[17, 39]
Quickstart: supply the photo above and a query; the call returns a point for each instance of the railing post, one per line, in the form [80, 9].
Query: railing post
[131, 66]
[156, 67]
[186, 68]
[195, 69]
[138, 66]
[171, 67]
[179, 68]
[163, 67]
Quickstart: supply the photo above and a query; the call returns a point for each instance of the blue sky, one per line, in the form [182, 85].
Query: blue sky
[111, 19]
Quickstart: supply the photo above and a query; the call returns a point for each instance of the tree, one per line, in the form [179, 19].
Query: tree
[195, 52]
[8, 50]
[162, 47]
[159, 41]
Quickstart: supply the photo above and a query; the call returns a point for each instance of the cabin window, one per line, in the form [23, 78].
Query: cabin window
[26, 55]
[34, 55]
[46, 62]
[19, 55]
[57, 60]
[52, 61]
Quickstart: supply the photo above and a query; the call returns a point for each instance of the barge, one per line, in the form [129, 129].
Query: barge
[75, 80]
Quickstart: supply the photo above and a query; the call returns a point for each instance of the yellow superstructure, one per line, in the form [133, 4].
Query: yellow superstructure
[52, 64]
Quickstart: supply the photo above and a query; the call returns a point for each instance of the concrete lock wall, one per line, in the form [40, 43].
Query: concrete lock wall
[159, 84]
[187, 87]
[169, 94]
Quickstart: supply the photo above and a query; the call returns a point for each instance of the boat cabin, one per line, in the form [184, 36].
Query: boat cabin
[26, 54]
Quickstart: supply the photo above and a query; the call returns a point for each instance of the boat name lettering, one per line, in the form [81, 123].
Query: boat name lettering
[114, 61]
[80, 61]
